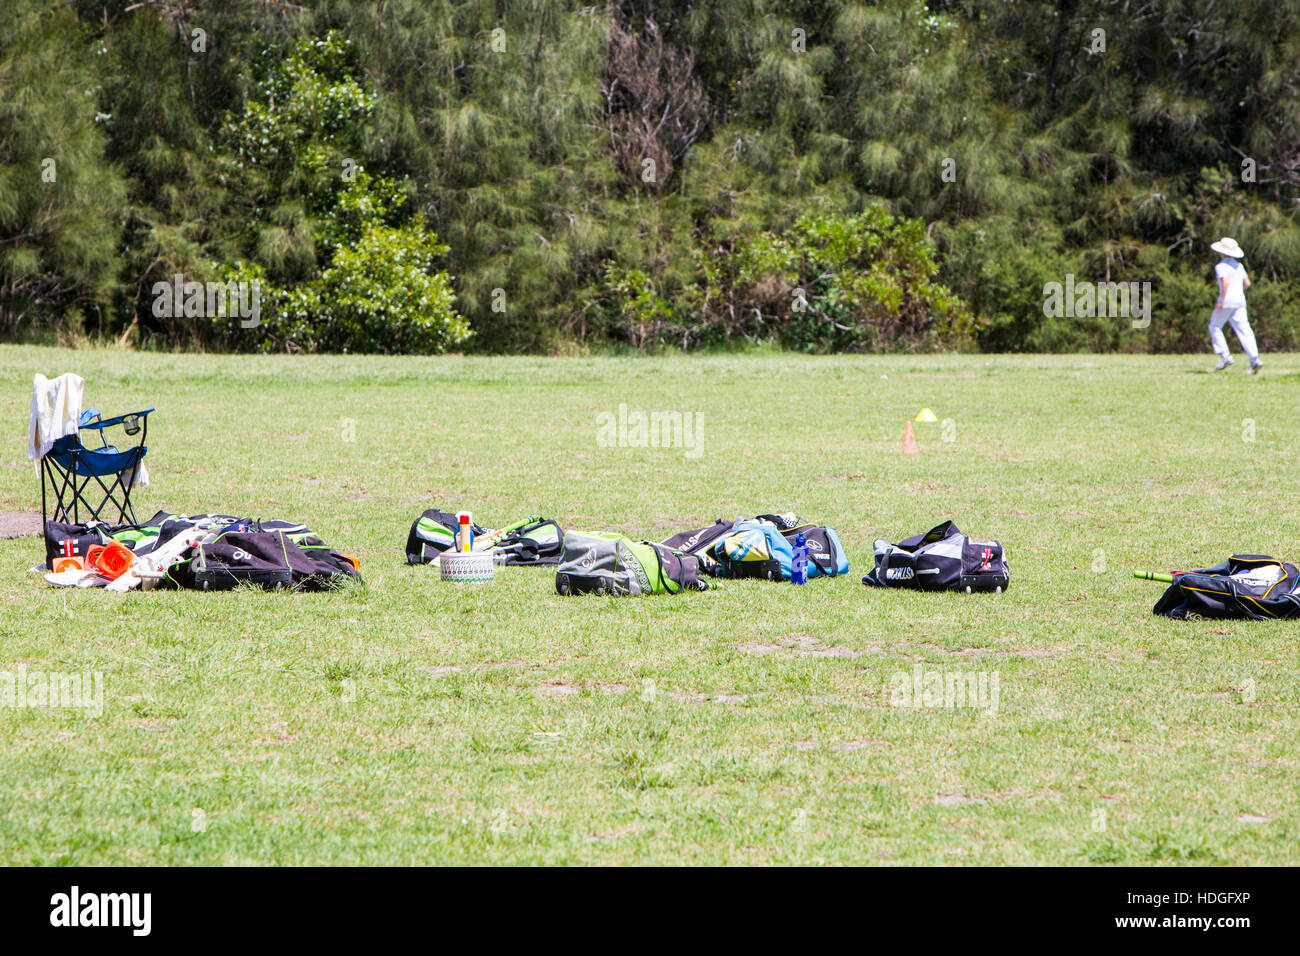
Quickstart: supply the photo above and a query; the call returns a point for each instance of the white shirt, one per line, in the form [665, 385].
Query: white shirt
[1234, 292]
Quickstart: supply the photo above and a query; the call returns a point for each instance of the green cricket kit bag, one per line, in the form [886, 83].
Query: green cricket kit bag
[942, 559]
[602, 563]
[1247, 586]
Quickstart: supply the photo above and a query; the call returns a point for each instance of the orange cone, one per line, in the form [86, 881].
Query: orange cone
[909, 440]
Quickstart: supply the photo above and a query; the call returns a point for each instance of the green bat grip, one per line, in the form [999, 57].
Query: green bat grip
[1154, 576]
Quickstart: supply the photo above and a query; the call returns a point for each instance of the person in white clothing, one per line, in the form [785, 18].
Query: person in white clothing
[1231, 306]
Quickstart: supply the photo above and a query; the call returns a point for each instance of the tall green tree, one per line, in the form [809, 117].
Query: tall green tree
[60, 197]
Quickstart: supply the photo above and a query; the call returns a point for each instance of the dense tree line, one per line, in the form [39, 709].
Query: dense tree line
[503, 175]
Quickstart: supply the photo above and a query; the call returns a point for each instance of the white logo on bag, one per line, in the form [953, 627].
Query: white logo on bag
[241, 555]
[898, 574]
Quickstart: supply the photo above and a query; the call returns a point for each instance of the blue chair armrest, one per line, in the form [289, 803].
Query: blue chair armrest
[115, 421]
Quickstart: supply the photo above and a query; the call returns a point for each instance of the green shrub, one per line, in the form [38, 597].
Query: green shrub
[379, 294]
[838, 283]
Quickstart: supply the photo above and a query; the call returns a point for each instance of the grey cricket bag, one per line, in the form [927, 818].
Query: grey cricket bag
[597, 562]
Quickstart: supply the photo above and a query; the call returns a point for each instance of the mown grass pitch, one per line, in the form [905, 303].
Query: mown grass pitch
[409, 721]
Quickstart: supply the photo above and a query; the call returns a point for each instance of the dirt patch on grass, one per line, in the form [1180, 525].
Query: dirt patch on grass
[955, 799]
[562, 688]
[1029, 652]
[964, 651]
[276, 734]
[848, 746]
[440, 671]
[840, 747]
[838, 651]
[801, 641]
[19, 524]
[723, 698]
[807, 645]
[489, 665]
[557, 688]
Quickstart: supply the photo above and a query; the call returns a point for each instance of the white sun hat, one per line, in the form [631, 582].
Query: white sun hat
[1227, 246]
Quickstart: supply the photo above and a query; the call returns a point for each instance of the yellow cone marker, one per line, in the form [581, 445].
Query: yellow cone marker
[925, 415]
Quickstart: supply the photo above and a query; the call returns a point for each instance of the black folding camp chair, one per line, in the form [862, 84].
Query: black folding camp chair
[69, 467]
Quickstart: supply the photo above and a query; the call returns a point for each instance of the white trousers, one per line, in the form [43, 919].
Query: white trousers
[1240, 325]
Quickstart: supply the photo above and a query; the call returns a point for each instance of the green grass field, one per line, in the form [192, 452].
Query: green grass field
[412, 721]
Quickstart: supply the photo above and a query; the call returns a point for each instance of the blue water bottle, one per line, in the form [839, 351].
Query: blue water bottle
[799, 566]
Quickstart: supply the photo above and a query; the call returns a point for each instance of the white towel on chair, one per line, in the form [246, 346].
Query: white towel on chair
[56, 412]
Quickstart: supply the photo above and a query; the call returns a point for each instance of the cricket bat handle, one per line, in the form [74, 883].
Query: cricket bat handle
[1166, 577]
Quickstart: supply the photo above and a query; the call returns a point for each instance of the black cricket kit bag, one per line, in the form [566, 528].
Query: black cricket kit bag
[268, 559]
[433, 533]
[700, 542]
[1247, 586]
[65, 539]
[942, 559]
[534, 540]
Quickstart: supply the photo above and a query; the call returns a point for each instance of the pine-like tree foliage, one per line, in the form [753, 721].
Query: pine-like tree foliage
[593, 169]
[60, 198]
